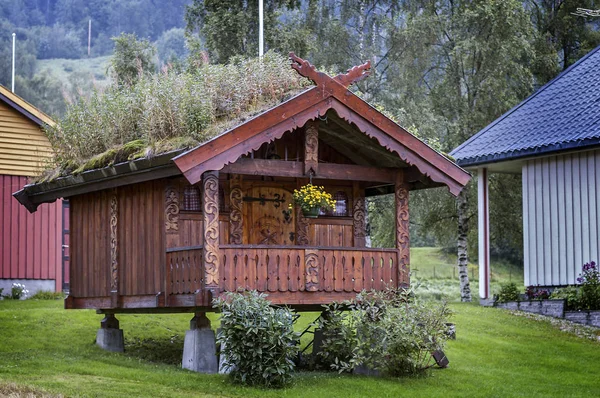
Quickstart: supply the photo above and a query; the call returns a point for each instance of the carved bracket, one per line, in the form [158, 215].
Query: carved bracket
[171, 210]
[311, 265]
[311, 147]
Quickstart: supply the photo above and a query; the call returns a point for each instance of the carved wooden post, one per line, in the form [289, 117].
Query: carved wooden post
[311, 265]
[358, 216]
[311, 147]
[236, 230]
[172, 215]
[114, 259]
[301, 221]
[402, 231]
[210, 210]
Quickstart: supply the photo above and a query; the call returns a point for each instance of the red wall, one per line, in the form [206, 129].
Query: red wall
[30, 243]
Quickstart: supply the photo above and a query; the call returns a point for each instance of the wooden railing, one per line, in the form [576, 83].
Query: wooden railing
[286, 269]
[184, 270]
[290, 269]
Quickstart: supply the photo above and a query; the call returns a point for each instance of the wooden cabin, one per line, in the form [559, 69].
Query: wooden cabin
[172, 232]
[31, 251]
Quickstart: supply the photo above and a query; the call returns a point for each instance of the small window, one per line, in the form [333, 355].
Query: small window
[341, 206]
[191, 199]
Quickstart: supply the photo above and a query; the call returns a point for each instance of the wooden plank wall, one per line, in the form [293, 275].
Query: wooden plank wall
[23, 146]
[31, 243]
[331, 232]
[561, 217]
[140, 241]
[90, 245]
[141, 238]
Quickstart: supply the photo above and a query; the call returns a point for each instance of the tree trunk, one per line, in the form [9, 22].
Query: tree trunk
[463, 258]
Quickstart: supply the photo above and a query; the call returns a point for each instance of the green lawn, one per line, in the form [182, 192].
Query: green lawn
[496, 354]
[63, 68]
[435, 274]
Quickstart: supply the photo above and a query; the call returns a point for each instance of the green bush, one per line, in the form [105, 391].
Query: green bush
[47, 295]
[571, 296]
[508, 292]
[339, 340]
[259, 342]
[391, 332]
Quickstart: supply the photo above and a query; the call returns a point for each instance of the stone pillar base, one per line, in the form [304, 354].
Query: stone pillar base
[199, 347]
[110, 340]
[109, 336]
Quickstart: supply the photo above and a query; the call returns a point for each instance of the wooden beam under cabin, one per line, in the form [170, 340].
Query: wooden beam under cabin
[328, 171]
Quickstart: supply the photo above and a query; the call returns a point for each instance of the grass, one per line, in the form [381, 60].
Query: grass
[63, 68]
[435, 275]
[47, 350]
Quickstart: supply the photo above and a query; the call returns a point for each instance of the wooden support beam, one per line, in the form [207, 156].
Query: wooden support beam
[311, 147]
[210, 210]
[236, 218]
[402, 230]
[301, 221]
[359, 215]
[114, 245]
[327, 171]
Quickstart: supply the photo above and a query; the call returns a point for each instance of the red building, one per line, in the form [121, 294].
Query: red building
[31, 244]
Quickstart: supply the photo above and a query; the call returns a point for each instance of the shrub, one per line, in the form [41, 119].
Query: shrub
[571, 296]
[259, 342]
[339, 340]
[508, 292]
[535, 293]
[391, 332]
[47, 295]
[590, 286]
[17, 292]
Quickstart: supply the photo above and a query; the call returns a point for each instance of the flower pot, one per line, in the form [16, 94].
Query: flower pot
[313, 212]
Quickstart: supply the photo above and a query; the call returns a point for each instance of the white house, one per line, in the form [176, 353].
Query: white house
[553, 140]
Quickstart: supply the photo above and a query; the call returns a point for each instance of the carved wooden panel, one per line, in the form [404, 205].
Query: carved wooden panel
[210, 208]
[301, 228]
[359, 223]
[171, 210]
[311, 265]
[236, 228]
[311, 147]
[402, 231]
[114, 265]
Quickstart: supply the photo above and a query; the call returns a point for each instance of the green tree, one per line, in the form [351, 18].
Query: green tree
[228, 28]
[131, 59]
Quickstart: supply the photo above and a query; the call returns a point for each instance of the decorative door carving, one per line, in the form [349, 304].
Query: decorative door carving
[271, 222]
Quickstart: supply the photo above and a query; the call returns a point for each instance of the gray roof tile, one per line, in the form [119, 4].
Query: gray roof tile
[563, 114]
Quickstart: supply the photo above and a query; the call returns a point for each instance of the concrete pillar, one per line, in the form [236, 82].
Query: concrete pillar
[199, 346]
[483, 215]
[109, 337]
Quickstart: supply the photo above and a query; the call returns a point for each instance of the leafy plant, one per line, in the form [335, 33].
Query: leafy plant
[391, 332]
[47, 295]
[259, 342]
[339, 340]
[570, 294]
[535, 293]
[18, 291]
[590, 286]
[508, 292]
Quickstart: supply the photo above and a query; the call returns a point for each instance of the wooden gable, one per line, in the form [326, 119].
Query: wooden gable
[24, 148]
[329, 98]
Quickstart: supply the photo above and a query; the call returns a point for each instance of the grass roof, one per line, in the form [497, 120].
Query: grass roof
[167, 111]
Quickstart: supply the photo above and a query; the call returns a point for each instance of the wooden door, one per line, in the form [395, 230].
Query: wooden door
[270, 220]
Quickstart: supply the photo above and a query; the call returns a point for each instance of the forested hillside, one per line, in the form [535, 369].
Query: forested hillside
[443, 69]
